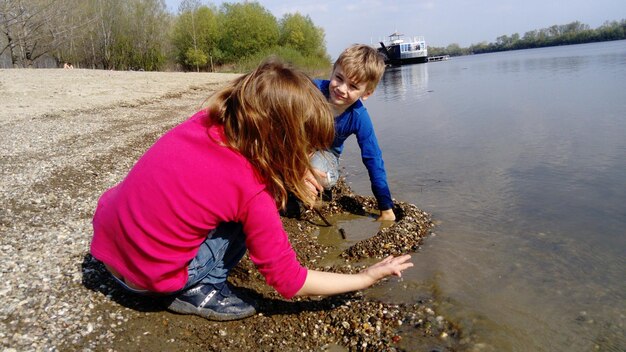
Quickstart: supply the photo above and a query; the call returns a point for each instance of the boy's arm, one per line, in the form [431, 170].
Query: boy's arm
[373, 160]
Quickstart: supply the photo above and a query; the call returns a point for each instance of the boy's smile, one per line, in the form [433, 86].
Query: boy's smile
[344, 92]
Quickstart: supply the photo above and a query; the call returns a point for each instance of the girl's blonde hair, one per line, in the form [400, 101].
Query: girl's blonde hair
[276, 117]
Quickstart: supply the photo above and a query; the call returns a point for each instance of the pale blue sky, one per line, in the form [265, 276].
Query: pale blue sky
[440, 22]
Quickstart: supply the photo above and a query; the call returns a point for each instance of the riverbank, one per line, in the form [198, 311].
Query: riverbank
[68, 135]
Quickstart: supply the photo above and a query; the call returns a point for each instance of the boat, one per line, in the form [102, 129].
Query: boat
[398, 51]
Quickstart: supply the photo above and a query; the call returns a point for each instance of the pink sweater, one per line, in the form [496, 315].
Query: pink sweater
[151, 225]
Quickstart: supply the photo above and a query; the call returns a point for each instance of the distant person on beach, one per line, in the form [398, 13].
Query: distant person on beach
[355, 75]
[68, 66]
[210, 189]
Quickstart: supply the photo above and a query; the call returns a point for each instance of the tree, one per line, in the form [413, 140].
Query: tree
[299, 32]
[503, 42]
[147, 18]
[196, 34]
[107, 14]
[33, 28]
[195, 57]
[76, 46]
[246, 28]
[529, 38]
[454, 49]
[612, 30]
[125, 34]
[189, 52]
[571, 33]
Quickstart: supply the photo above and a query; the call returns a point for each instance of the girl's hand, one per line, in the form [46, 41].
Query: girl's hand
[320, 283]
[311, 180]
[388, 266]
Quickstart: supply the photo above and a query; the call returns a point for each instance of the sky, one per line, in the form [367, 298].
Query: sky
[441, 22]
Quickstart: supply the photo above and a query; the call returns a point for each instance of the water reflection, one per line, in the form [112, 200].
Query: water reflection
[397, 82]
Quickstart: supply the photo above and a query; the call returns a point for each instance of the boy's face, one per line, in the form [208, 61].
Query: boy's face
[343, 91]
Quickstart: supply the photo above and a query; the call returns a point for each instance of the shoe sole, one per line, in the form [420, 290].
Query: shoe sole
[187, 308]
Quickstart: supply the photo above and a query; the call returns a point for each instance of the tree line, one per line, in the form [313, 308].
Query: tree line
[572, 33]
[143, 35]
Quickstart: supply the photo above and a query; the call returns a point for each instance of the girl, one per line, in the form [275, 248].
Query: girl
[210, 189]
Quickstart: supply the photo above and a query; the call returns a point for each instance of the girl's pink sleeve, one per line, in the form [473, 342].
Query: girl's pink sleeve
[269, 246]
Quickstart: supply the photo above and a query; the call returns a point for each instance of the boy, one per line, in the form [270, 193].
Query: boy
[355, 75]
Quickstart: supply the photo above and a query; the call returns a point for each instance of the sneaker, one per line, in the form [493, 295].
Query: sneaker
[214, 302]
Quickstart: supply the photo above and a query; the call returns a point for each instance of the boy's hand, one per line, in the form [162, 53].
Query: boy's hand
[387, 215]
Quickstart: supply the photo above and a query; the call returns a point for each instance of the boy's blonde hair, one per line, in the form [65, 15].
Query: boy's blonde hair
[363, 64]
[276, 117]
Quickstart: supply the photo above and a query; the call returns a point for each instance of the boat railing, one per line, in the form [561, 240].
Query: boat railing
[396, 39]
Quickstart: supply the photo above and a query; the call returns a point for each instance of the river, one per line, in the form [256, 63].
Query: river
[521, 158]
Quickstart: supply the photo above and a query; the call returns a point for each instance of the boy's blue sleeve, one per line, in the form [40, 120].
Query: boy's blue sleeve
[372, 158]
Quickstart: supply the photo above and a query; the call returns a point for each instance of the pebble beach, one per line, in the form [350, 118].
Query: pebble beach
[68, 135]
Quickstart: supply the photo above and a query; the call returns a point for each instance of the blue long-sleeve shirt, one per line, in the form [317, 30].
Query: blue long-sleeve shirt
[356, 120]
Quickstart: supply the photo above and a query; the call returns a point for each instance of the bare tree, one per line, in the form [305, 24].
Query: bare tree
[34, 28]
[107, 11]
[8, 27]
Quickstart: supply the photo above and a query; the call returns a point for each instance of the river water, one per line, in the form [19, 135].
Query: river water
[521, 158]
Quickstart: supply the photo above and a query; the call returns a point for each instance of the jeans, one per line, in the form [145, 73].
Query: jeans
[327, 162]
[217, 255]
